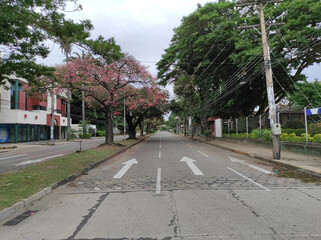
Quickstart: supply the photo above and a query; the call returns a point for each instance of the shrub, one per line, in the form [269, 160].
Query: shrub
[257, 133]
[294, 124]
[284, 137]
[253, 136]
[314, 128]
[72, 133]
[303, 138]
[293, 138]
[101, 133]
[316, 138]
[267, 135]
[84, 135]
[297, 132]
[152, 131]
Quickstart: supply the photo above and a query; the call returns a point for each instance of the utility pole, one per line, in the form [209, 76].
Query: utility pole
[268, 75]
[269, 85]
[124, 120]
[52, 122]
[83, 105]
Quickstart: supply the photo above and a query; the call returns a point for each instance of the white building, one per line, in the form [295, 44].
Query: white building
[24, 119]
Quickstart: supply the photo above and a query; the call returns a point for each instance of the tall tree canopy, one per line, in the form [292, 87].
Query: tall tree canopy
[218, 66]
[105, 84]
[25, 25]
[148, 102]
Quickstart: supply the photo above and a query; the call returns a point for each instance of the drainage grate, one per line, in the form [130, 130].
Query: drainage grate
[20, 218]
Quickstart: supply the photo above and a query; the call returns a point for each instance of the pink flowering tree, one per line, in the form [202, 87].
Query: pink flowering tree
[147, 103]
[105, 85]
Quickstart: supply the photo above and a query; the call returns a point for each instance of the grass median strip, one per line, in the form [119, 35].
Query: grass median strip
[18, 185]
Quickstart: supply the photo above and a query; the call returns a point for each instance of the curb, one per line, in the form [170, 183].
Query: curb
[17, 207]
[8, 147]
[275, 162]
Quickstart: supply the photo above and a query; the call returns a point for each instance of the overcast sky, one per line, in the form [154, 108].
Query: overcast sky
[143, 28]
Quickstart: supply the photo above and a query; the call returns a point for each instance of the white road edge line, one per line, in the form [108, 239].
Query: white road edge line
[38, 160]
[13, 156]
[260, 185]
[203, 154]
[158, 183]
[251, 165]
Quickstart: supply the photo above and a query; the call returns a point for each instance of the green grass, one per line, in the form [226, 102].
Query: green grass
[303, 177]
[18, 185]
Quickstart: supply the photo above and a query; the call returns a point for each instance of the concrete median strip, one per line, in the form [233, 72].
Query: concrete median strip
[22, 205]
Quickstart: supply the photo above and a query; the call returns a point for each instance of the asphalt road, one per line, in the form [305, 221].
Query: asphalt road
[171, 187]
[33, 153]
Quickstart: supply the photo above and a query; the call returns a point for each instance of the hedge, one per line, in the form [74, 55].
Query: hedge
[288, 135]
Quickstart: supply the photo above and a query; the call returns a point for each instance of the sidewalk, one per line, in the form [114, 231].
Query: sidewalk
[306, 163]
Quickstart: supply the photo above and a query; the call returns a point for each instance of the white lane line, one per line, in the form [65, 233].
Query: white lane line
[203, 154]
[190, 163]
[13, 156]
[38, 160]
[160, 154]
[125, 168]
[251, 165]
[260, 185]
[158, 183]
[160, 146]
[189, 145]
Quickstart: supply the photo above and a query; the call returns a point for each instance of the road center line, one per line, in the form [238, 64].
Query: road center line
[38, 160]
[160, 146]
[260, 185]
[158, 183]
[203, 154]
[13, 156]
[160, 154]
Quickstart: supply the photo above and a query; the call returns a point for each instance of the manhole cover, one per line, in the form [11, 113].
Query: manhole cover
[20, 218]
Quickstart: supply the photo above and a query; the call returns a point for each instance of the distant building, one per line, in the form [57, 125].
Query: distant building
[24, 119]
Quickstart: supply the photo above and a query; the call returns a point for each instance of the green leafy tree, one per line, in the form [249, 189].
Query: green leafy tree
[221, 65]
[306, 93]
[24, 26]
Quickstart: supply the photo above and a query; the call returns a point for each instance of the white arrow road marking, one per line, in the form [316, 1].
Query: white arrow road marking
[125, 168]
[190, 163]
[38, 160]
[203, 154]
[250, 165]
[158, 183]
[260, 185]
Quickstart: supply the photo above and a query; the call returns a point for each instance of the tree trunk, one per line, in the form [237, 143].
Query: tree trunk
[131, 127]
[141, 128]
[109, 139]
[148, 128]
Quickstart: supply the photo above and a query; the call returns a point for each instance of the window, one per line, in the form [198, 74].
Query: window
[38, 107]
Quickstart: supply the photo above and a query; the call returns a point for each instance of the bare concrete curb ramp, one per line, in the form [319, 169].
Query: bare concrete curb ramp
[19, 206]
